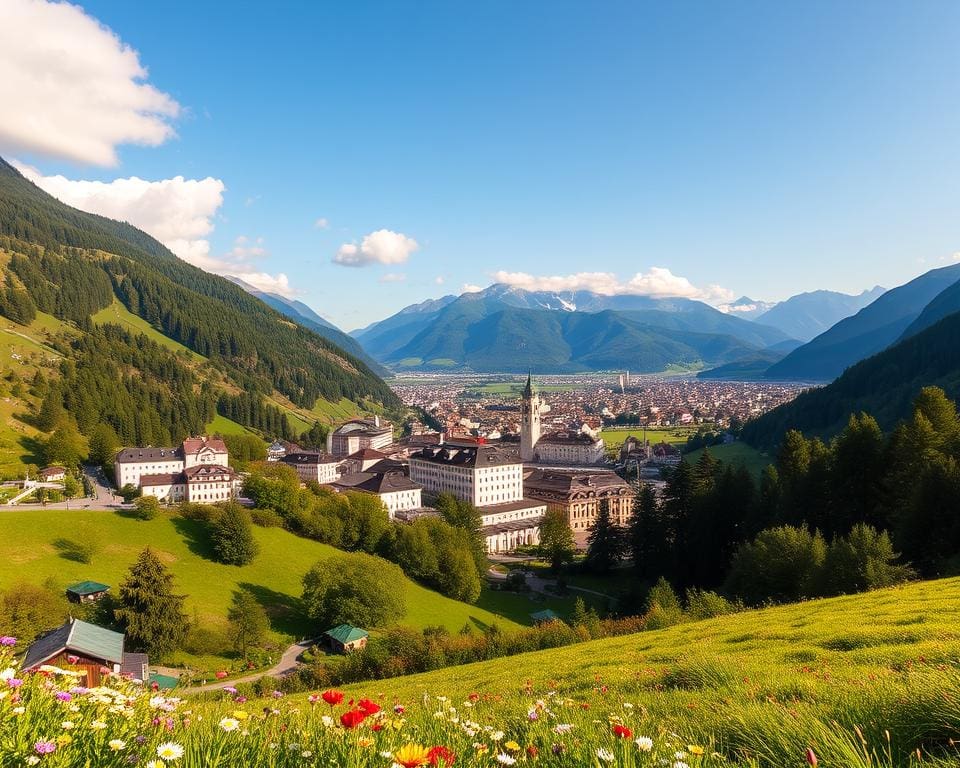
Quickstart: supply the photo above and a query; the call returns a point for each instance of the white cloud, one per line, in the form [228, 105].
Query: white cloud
[72, 89]
[657, 281]
[380, 247]
[178, 212]
[264, 281]
[322, 223]
[393, 277]
[439, 280]
[470, 288]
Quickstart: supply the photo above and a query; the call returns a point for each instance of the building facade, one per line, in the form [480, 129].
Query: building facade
[397, 491]
[131, 464]
[312, 465]
[359, 434]
[203, 484]
[570, 447]
[513, 524]
[579, 495]
[478, 473]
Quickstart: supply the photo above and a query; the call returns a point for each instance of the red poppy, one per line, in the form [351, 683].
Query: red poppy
[376, 727]
[441, 756]
[622, 732]
[221, 674]
[532, 752]
[368, 707]
[332, 697]
[352, 718]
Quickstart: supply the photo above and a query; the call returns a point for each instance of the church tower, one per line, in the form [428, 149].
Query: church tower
[529, 422]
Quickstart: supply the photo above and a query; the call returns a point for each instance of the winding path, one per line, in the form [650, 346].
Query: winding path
[287, 664]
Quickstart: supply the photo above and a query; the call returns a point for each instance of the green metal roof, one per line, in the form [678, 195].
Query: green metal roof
[344, 634]
[544, 615]
[87, 587]
[79, 637]
[164, 682]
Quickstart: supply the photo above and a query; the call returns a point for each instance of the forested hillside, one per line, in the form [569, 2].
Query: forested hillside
[883, 385]
[70, 264]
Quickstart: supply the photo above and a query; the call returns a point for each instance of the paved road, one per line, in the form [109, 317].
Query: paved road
[103, 495]
[287, 664]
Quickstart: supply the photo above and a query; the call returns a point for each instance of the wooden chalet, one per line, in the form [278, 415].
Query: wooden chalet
[86, 648]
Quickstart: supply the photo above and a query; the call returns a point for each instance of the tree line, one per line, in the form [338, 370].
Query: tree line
[868, 509]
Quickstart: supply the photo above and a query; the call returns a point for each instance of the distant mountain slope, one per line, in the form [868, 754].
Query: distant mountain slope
[747, 308]
[515, 339]
[307, 317]
[384, 337]
[72, 264]
[944, 303]
[807, 315]
[872, 329]
[451, 330]
[884, 385]
[749, 368]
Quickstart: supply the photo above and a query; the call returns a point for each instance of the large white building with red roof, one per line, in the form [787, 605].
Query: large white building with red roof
[198, 470]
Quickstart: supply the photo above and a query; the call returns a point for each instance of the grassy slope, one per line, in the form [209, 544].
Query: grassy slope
[879, 660]
[32, 545]
[118, 314]
[221, 425]
[29, 343]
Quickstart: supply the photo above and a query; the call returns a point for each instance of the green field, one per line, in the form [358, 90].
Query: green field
[614, 438]
[515, 388]
[736, 453]
[221, 425]
[772, 679]
[118, 314]
[35, 547]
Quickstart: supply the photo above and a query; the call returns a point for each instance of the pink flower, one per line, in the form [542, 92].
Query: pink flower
[73, 659]
[8, 641]
[14, 682]
[44, 747]
[812, 757]
[64, 696]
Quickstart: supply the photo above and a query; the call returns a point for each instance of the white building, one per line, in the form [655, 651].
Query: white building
[397, 491]
[312, 465]
[570, 447]
[204, 484]
[489, 477]
[359, 434]
[478, 473]
[511, 525]
[131, 464]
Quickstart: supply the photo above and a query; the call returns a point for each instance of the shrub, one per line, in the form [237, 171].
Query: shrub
[354, 588]
[232, 537]
[146, 507]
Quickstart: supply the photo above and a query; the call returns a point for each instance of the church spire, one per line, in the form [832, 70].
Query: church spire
[528, 390]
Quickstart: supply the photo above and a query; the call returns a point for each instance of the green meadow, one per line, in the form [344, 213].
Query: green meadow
[38, 547]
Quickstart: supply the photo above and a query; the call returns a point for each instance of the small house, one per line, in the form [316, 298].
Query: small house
[544, 616]
[86, 591]
[87, 648]
[344, 638]
[53, 474]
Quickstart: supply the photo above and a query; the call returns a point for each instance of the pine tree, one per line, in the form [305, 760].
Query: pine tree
[232, 537]
[248, 621]
[148, 611]
[605, 544]
[644, 533]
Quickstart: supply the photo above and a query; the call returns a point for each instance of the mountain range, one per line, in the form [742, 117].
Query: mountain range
[867, 332]
[807, 315]
[504, 328]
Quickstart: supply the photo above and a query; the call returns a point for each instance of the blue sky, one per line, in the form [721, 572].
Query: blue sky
[750, 148]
